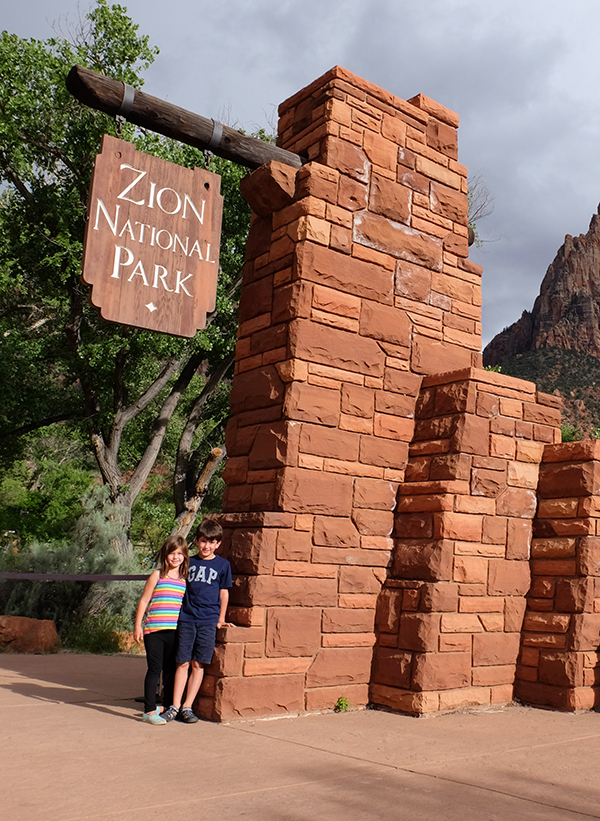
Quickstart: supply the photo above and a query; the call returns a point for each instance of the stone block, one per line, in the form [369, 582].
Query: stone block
[514, 612]
[310, 491]
[309, 403]
[329, 442]
[561, 669]
[289, 591]
[259, 388]
[347, 274]
[252, 551]
[465, 697]
[293, 631]
[441, 671]
[336, 348]
[508, 578]
[270, 188]
[293, 545]
[334, 531]
[463, 526]
[398, 240]
[419, 631]
[546, 622]
[227, 660]
[541, 695]
[428, 561]
[355, 620]
[385, 323]
[389, 608]
[472, 434]
[340, 665]
[375, 494]
[373, 522]
[574, 595]
[492, 676]
[518, 539]
[347, 158]
[391, 667]
[517, 502]
[19, 634]
[258, 696]
[494, 530]
[494, 649]
[439, 597]
[357, 401]
[585, 632]
[358, 580]
[470, 569]
[588, 556]
[389, 199]
[414, 525]
[449, 203]
[487, 482]
[559, 480]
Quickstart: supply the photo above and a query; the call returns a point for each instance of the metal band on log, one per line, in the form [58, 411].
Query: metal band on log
[100, 92]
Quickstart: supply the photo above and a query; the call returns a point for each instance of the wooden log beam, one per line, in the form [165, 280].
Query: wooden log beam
[100, 92]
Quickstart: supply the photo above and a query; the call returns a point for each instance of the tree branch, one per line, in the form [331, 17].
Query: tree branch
[42, 423]
[187, 517]
[187, 435]
[159, 428]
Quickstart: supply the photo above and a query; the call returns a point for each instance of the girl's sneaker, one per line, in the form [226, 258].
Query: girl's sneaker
[153, 718]
[170, 714]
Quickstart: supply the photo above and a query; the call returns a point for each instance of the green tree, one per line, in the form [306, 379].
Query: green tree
[130, 393]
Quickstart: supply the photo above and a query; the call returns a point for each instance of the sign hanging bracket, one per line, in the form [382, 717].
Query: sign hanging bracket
[125, 108]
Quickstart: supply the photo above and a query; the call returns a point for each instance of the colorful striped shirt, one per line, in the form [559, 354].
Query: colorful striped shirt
[165, 604]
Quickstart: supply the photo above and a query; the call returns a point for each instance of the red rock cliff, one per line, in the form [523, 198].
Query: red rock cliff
[566, 314]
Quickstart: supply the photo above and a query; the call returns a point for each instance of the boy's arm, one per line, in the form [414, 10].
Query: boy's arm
[151, 582]
[224, 601]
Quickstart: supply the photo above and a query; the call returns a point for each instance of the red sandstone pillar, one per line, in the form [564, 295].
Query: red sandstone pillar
[450, 615]
[356, 285]
[559, 664]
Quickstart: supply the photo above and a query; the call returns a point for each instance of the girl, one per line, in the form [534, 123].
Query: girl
[162, 598]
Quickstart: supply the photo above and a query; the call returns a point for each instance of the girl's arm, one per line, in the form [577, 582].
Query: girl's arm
[151, 583]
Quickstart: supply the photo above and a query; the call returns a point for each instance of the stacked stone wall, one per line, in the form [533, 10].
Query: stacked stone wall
[559, 665]
[449, 616]
[358, 299]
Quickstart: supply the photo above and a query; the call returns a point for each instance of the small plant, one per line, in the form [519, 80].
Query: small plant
[341, 705]
[570, 433]
[494, 368]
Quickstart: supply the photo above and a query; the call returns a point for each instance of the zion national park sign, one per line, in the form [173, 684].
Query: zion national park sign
[152, 241]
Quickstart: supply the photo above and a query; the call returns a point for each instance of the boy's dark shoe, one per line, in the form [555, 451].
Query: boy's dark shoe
[170, 714]
[188, 716]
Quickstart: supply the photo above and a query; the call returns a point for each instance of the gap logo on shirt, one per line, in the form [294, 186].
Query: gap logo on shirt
[197, 573]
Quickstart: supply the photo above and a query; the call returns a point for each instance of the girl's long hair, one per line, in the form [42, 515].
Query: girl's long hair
[170, 546]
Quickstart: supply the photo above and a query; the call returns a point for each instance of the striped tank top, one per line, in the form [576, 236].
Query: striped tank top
[165, 604]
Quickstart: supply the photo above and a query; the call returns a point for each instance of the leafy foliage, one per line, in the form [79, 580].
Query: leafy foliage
[89, 550]
[574, 376]
[132, 394]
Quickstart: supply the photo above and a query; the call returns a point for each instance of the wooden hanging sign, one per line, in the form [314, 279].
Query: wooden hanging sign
[151, 250]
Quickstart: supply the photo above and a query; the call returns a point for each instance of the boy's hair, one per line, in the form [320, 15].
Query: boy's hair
[210, 529]
[170, 546]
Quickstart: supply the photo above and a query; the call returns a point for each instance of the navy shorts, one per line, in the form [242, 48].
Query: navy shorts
[195, 642]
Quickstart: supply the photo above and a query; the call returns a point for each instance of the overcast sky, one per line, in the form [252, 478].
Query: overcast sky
[524, 75]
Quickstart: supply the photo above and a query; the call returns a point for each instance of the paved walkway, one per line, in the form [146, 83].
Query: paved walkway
[73, 748]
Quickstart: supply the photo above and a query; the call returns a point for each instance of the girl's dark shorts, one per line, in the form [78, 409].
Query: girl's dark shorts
[195, 642]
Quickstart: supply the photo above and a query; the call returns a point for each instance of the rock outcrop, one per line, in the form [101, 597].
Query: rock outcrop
[566, 313]
[19, 634]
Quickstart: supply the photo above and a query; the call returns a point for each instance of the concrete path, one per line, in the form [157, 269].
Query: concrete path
[73, 748]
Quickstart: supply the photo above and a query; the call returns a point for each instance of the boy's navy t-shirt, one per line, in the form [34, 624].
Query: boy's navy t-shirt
[206, 579]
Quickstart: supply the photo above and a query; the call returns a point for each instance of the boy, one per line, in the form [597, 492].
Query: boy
[202, 612]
